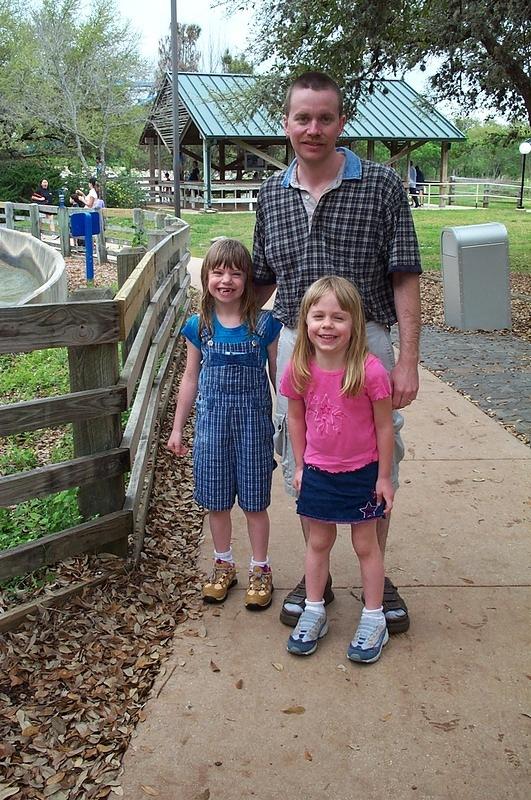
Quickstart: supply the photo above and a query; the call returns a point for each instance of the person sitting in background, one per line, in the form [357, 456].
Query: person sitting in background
[194, 173]
[42, 195]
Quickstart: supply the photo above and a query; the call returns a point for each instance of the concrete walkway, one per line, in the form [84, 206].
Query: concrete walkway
[444, 714]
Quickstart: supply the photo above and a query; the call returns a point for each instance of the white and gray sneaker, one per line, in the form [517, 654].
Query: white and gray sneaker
[369, 639]
[309, 629]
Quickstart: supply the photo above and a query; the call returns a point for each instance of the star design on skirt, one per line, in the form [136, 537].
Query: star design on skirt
[369, 510]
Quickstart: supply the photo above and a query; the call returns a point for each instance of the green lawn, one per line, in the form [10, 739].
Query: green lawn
[428, 224]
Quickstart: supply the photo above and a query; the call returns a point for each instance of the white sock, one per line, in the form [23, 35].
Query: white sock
[227, 556]
[375, 614]
[317, 606]
[253, 563]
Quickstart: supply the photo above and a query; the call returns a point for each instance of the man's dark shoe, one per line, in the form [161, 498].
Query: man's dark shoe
[395, 609]
[296, 597]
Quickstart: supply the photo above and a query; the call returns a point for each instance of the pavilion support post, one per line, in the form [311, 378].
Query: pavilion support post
[222, 161]
[443, 175]
[151, 168]
[370, 149]
[159, 175]
[207, 174]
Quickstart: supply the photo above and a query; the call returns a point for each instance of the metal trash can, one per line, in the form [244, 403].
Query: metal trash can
[475, 269]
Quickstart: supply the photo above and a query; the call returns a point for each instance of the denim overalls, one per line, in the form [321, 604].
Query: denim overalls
[233, 445]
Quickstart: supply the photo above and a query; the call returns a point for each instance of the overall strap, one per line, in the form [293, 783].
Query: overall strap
[261, 322]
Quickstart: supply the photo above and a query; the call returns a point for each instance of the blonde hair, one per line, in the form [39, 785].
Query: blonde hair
[229, 253]
[349, 300]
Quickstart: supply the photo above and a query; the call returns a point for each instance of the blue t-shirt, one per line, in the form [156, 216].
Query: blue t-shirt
[232, 335]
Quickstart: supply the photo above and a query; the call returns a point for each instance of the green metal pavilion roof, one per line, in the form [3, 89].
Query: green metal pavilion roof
[394, 111]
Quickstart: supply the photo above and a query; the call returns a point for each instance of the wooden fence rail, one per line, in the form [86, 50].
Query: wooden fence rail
[150, 306]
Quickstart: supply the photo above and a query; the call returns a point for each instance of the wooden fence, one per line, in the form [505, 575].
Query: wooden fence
[146, 315]
[51, 223]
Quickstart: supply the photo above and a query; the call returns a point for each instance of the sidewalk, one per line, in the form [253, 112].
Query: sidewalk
[446, 711]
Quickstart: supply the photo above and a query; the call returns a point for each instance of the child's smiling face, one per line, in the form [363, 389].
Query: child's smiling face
[226, 283]
[329, 326]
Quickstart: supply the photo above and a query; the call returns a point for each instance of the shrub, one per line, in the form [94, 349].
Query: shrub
[19, 178]
[124, 192]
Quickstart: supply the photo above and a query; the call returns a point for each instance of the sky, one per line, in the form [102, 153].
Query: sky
[152, 20]
[218, 31]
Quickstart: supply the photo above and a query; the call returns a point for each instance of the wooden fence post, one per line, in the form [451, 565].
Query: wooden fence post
[126, 260]
[101, 246]
[64, 231]
[451, 190]
[486, 193]
[10, 216]
[92, 367]
[138, 220]
[34, 220]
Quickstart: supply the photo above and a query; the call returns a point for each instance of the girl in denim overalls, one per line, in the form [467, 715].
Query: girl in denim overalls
[228, 345]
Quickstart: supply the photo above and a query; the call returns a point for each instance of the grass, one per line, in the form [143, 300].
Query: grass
[428, 224]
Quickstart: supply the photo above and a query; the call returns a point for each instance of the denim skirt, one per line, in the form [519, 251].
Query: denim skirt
[340, 497]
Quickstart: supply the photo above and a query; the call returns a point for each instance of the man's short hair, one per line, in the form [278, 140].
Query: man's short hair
[318, 81]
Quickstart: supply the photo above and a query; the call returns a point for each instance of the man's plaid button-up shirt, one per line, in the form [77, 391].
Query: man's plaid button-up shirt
[361, 230]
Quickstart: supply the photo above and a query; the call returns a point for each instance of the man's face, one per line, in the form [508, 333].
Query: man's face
[313, 124]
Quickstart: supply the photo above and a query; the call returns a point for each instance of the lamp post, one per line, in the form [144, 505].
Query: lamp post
[175, 110]
[524, 149]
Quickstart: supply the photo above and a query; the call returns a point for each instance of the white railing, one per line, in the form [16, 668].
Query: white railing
[227, 195]
[472, 193]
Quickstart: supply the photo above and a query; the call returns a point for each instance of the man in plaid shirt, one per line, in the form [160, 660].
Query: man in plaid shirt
[331, 213]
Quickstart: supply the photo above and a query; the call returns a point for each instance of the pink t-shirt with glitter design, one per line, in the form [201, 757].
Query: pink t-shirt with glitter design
[340, 432]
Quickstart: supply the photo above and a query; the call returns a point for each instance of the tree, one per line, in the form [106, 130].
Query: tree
[236, 64]
[78, 77]
[188, 56]
[481, 48]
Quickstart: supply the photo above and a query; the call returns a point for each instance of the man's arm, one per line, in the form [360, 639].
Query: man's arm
[264, 277]
[405, 375]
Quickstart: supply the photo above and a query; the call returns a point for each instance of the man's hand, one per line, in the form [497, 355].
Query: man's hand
[405, 383]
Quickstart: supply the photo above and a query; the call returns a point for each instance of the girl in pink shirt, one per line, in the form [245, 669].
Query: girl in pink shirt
[341, 430]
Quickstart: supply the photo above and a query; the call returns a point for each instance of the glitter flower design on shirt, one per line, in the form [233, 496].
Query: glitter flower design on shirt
[326, 415]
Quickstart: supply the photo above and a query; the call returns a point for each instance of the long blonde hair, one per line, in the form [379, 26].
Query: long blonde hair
[230, 253]
[349, 300]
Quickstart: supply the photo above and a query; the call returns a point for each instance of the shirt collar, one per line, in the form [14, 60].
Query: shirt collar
[351, 169]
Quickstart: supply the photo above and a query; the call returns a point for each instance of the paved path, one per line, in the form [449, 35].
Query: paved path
[445, 713]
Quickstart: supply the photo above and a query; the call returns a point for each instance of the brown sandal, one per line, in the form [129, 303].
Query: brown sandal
[297, 596]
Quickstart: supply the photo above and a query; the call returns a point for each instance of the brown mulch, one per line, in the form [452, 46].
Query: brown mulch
[74, 680]
[433, 305]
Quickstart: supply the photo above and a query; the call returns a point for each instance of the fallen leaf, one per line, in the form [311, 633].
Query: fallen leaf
[8, 791]
[294, 710]
[149, 790]
[278, 667]
[214, 667]
[467, 580]
[308, 756]
[204, 795]
[341, 667]
[386, 717]
[239, 684]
